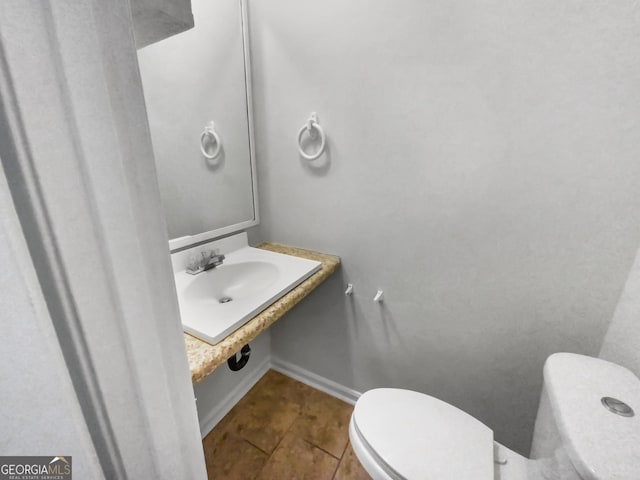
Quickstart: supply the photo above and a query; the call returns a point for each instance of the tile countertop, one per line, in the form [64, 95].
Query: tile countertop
[205, 358]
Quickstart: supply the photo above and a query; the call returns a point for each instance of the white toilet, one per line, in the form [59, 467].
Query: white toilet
[587, 428]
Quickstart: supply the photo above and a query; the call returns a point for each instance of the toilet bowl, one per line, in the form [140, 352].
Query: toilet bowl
[404, 435]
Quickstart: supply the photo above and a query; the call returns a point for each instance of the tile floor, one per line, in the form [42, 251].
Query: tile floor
[283, 430]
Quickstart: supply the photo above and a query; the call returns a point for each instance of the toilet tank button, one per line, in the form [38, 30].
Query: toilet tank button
[617, 406]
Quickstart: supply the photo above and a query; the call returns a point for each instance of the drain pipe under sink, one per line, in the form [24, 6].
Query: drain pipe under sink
[236, 364]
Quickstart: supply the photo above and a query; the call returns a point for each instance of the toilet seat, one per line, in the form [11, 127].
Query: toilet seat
[367, 458]
[404, 435]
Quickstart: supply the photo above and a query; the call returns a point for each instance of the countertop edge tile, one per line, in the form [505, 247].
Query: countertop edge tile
[205, 358]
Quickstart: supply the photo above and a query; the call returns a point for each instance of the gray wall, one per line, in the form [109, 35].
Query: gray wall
[482, 169]
[622, 343]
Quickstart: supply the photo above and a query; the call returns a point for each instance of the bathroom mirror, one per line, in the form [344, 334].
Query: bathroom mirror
[198, 95]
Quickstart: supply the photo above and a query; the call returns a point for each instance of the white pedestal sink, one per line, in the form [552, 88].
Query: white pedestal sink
[216, 302]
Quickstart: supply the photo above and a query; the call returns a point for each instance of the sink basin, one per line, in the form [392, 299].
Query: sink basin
[231, 282]
[216, 302]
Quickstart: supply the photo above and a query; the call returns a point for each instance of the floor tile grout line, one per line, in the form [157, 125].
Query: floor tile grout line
[335, 472]
[269, 455]
[239, 436]
[340, 460]
[276, 447]
[331, 455]
[344, 450]
[320, 448]
[256, 446]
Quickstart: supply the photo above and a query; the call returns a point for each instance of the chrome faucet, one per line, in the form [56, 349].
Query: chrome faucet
[209, 259]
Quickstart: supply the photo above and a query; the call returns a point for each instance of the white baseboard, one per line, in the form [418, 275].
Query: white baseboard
[316, 381]
[228, 402]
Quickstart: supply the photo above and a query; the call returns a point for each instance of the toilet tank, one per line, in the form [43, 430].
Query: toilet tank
[588, 423]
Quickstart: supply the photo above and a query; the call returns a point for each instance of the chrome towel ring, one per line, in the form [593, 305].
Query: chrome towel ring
[313, 128]
[210, 131]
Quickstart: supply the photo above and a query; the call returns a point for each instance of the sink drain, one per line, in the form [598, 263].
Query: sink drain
[225, 300]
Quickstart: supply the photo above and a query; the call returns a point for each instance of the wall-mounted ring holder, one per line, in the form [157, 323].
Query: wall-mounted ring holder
[314, 130]
[210, 131]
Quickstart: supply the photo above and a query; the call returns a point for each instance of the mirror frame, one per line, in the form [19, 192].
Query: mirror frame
[186, 241]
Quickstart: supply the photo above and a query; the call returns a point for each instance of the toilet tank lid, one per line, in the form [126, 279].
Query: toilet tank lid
[601, 444]
[421, 437]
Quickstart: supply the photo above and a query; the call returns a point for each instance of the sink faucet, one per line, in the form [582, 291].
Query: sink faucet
[209, 259]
